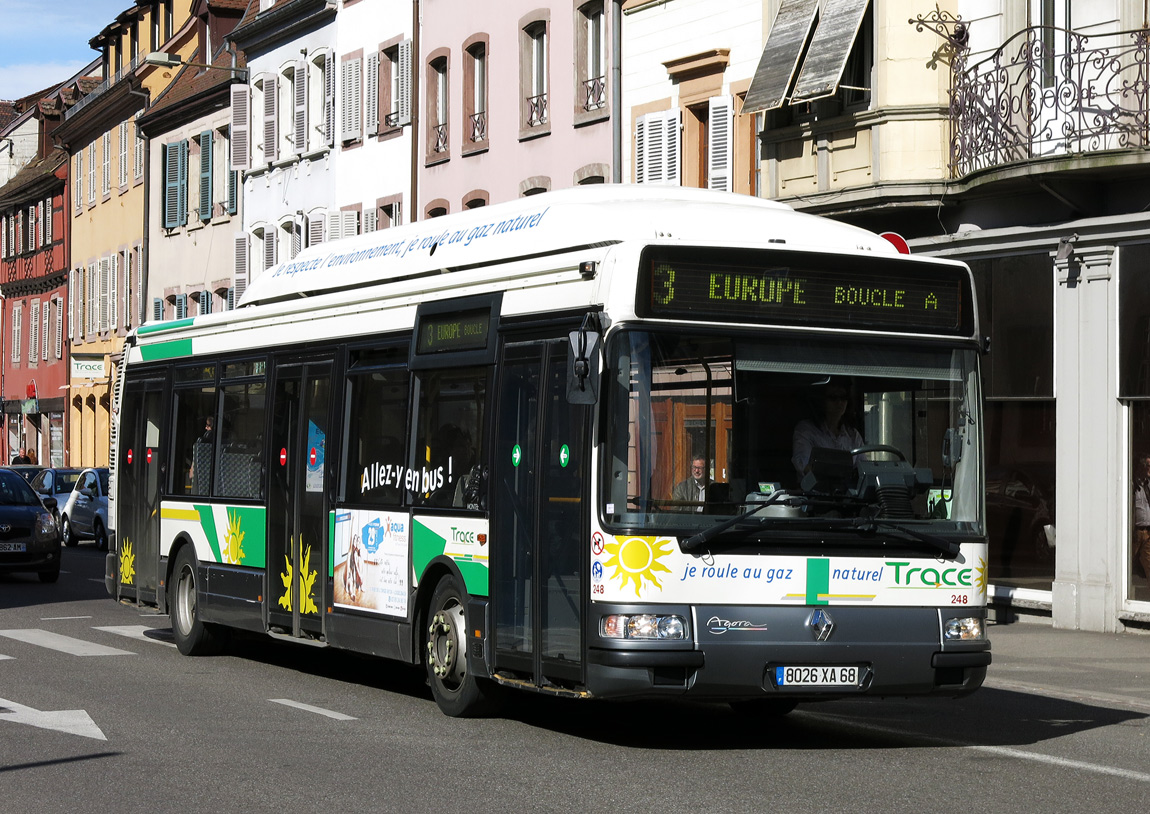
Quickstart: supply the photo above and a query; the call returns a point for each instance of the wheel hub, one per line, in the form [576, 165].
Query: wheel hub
[443, 644]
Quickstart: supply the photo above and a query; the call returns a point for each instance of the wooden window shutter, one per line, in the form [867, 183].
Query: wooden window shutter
[299, 109]
[240, 267]
[271, 121]
[719, 143]
[240, 132]
[206, 175]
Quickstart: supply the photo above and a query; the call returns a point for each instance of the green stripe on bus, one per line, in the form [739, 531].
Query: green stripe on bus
[208, 524]
[818, 581]
[171, 325]
[166, 350]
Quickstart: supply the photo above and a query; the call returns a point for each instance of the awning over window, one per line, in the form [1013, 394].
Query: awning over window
[826, 56]
[839, 24]
[780, 59]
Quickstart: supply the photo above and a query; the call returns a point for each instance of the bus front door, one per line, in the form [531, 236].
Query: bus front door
[538, 520]
[298, 483]
[139, 469]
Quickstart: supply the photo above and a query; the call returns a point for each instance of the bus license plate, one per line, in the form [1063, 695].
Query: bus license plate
[820, 676]
[13, 547]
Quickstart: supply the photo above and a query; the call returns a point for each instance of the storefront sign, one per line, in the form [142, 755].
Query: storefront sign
[89, 367]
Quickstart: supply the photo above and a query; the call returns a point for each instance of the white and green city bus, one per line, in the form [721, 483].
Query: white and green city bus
[464, 443]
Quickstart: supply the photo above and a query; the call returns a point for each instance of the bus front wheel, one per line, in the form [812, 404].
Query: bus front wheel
[193, 637]
[457, 692]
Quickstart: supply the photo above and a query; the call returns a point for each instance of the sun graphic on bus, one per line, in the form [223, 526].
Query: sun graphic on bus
[233, 541]
[127, 563]
[980, 575]
[638, 559]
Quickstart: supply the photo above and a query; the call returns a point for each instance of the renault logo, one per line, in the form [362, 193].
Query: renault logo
[822, 625]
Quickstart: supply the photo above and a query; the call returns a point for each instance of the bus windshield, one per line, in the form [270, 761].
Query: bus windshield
[791, 436]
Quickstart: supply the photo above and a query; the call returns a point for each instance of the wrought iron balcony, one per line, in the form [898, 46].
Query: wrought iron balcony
[104, 86]
[479, 126]
[594, 93]
[440, 133]
[1050, 92]
[537, 110]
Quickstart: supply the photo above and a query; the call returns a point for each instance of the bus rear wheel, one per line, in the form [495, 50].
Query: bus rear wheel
[457, 692]
[193, 637]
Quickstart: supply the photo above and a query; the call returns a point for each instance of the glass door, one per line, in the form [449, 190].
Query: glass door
[139, 471]
[537, 516]
[298, 500]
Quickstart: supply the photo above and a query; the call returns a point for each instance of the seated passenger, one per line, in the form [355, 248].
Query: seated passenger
[831, 426]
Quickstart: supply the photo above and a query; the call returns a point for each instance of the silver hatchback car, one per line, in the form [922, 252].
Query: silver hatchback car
[85, 515]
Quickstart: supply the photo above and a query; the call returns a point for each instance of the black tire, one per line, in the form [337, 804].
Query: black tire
[763, 708]
[458, 693]
[66, 533]
[101, 536]
[193, 637]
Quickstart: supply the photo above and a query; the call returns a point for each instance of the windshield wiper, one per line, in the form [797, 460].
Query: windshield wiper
[697, 541]
[871, 525]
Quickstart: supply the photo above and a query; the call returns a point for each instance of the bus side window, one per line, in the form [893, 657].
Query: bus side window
[377, 426]
[447, 470]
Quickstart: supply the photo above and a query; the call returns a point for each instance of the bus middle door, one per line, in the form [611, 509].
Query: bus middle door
[298, 482]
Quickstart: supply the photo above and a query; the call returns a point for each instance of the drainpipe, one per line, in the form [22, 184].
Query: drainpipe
[146, 240]
[416, 70]
[617, 91]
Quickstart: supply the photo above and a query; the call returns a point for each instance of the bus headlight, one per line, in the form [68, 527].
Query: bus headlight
[963, 628]
[643, 626]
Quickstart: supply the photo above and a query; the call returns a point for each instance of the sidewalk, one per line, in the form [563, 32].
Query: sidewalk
[1104, 669]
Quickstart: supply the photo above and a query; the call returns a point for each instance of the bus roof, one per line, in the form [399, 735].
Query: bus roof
[552, 223]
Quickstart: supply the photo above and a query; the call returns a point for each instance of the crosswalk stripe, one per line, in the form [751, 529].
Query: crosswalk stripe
[64, 644]
[138, 632]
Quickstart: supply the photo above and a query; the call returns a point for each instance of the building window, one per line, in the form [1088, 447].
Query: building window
[351, 85]
[437, 136]
[175, 184]
[476, 198]
[657, 158]
[395, 84]
[533, 73]
[475, 93]
[591, 58]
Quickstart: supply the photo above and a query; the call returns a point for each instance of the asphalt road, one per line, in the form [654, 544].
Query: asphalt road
[99, 713]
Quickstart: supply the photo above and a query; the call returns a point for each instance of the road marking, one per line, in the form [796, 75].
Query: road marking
[3, 657]
[339, 716]
[65, 644]
[1109, 699]
[61, 618]
[72, 721]
[140, 633]
[1004, 751]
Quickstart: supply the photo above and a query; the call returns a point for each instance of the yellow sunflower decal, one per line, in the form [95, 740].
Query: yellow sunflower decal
[233, 541]
[980, 575]
[638, 559]
[127, 563]
[307, 580]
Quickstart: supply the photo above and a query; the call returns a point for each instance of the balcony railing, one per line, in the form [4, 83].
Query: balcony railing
[1050, 92]
[97, 91]
[479, 126]
[537, 110]
[440, 133]
[594, 93]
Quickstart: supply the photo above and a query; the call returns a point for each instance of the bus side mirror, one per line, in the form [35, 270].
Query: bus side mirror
[582, 367]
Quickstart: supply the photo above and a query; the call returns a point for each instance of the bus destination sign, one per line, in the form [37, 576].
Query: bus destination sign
[442, 333]
[791, 288]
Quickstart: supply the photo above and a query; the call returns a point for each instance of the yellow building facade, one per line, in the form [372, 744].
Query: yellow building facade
[108, 170]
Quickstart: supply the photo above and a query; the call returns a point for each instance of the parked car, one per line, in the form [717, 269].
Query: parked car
[29, 539]
[85, 515]
[57, 483]
[26, 471]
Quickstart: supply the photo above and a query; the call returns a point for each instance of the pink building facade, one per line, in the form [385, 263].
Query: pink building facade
[514, 102]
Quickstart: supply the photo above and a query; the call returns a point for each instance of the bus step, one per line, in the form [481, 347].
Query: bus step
[548, 689]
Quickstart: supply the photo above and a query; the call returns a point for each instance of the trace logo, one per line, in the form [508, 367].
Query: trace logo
[906, 576]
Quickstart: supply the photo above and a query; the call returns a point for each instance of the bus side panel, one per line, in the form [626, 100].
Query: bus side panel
[387, 638]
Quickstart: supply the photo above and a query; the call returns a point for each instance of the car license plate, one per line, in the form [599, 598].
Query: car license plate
[13, 547]
[819, 676]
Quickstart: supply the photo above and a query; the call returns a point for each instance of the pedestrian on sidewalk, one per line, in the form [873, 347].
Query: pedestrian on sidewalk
[1142, 514]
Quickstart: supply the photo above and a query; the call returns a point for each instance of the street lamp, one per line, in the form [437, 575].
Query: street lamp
[168, 60]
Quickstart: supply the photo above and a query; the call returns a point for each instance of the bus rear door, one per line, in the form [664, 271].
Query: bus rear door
[139, 472]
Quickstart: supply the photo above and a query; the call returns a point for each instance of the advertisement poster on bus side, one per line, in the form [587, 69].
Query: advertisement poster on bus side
[371, 561]
[629, 568]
